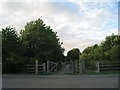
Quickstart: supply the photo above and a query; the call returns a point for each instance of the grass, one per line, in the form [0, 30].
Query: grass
[51, 73]
[46, 74]
[99, 73]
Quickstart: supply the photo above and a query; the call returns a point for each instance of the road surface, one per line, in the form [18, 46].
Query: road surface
[60, 81]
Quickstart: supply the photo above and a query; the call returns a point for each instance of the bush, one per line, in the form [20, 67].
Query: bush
[90, 65]
[8, 67]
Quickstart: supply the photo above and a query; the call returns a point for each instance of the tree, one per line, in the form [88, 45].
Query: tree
[110, 41]
[88, 50]
[100, 54]
[105, 51]
[114, 53]
[41, 42]
[85, 56]
[9, 43]
[106, 46]
[73, 54]
[87, 53]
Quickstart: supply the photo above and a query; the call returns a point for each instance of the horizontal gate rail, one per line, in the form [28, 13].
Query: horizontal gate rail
[109, 66]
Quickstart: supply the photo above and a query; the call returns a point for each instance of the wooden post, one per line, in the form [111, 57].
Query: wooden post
[83, 66]
[36, 67]
[0, 68]
[44, 67]
[80, 67]
[72, 67]
[76, 64]
[98, 66]
[48, 68]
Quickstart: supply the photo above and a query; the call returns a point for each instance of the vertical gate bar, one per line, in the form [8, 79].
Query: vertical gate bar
[36, 67]
[44, 67]
[48, 68]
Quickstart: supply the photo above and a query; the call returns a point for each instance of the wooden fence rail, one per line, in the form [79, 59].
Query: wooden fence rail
[108, 66]
[29, 69]
[36, 68]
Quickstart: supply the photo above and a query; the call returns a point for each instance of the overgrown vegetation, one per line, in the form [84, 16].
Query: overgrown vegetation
[108, 50]
[39, 42]
[73, 54]
[35, 42]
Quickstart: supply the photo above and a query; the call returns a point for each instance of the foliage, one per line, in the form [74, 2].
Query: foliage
[35, 42]
[9, 43]
[73, 54]
[115, 52]
[86, 56]
[40, 42]
[90, 65]
[110, 41]
[88, 53]
[107, 50]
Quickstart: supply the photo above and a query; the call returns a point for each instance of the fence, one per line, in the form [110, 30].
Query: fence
[36, 68]
[51, 66]
[30, 69]
[74, 66]
[67, 67]
[95, 66]
[107, 66]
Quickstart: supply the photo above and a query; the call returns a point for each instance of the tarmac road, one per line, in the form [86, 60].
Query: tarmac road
[60, 81]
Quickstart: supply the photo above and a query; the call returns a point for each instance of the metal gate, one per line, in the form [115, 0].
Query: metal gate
[71, 67]
[67, 67]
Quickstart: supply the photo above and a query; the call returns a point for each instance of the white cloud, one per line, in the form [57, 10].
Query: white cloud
[80, 28]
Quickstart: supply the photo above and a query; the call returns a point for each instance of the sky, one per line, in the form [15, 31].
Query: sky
[78, 24]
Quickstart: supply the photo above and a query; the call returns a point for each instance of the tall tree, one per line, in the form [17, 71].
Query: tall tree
[41, 42]
[110, 41]
[105, 51]
[115, 53]
[9, 43]
[73, 54]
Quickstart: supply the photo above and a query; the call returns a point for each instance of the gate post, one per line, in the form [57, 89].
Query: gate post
[83, 66]
[98, 66]
[48, 66]
[44, 67]
[76, 67]
[80, 66]
[72, 67]
[36, 67]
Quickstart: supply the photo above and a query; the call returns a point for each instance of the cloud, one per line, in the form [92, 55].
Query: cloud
[79, 24]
